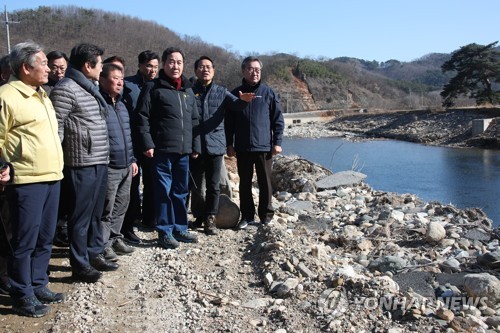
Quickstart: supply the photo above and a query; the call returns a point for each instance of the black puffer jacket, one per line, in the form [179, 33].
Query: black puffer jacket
[213, 101]
[121, 154]
[166, 117]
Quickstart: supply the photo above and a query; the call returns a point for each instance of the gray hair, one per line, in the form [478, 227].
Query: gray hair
[23, 53]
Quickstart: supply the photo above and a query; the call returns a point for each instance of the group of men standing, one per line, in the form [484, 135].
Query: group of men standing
[99, 130]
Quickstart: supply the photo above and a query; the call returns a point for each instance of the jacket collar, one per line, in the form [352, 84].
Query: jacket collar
[248, 88]
[88, 86]
[201, 87]
[24, 88]
[163, 79]
[108, 98]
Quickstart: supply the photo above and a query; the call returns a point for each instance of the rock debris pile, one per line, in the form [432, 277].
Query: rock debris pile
[338, 257]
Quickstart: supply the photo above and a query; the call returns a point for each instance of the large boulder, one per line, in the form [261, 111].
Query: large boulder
[341, 178]
[295, 174]
[483, 285]
[229, 213]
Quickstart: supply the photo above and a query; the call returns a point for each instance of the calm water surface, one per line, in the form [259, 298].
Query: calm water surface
[462, 177]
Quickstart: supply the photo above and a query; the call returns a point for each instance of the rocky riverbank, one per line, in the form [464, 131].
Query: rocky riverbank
[338, 257]
[443, 128]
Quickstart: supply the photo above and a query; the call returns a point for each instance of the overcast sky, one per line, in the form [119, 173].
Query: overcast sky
[381, 30]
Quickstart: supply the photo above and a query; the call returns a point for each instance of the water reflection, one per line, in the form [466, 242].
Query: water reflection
[463, 177]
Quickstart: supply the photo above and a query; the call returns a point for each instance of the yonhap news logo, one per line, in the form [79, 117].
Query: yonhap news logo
[392, 303]
[340, 300]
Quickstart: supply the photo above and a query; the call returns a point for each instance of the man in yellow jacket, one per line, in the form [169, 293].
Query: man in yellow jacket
[29, 141]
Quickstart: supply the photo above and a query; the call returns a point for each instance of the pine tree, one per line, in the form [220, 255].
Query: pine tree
[477, 70]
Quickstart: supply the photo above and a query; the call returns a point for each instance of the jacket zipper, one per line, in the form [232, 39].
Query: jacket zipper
[182, 119]
[123, 135]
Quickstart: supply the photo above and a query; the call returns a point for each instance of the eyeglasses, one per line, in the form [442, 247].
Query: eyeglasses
[203, 67]
[253, 70]
[58, 68]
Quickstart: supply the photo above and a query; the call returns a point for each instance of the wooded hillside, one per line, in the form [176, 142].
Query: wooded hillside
[303, 84]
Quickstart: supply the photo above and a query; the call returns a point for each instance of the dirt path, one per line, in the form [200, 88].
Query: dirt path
[212, 286]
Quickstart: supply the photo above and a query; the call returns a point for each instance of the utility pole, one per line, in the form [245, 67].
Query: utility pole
[7, 22]
[287, 94]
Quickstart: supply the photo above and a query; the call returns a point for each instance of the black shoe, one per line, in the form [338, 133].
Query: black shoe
[30, 306]
[131, 237]
[103, 265]
[121, 248]
[210, 228]
[87, 274]
[167, 241]
[61, 240]
[198, 223]
[109, 254]
[185, 237]
[5, 288]
[46, 296]
[147, 225]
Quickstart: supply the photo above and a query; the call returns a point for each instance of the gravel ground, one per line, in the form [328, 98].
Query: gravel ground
[199, 287]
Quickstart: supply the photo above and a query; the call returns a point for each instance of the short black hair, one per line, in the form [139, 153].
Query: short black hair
[113, 59]
[197, 62]
[82, 53]
[108, 68]
[53, 55]
[4, 63]
[147, 56]
[169, 50]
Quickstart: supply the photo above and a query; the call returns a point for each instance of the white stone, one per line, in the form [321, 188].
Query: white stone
[435, 232]
[483, 285]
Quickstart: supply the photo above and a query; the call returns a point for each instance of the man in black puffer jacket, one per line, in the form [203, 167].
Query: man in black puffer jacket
[167, 113]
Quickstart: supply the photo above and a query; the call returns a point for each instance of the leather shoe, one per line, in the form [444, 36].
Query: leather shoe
[5, 287]
[121, 248]
[131, 237]
[103, 265]
[87, 274]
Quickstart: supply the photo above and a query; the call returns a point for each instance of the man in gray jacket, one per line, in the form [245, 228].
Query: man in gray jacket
[213, 100]
[81, 114]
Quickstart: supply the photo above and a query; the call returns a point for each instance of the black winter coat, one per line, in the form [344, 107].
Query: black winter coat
[166, 117]
[259, 126]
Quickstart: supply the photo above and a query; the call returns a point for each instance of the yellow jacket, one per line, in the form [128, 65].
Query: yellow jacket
[28, 133]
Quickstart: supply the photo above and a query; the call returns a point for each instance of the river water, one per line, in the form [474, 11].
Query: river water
[463, 177]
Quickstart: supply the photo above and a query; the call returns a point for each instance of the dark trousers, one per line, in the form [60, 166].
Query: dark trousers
[148, 198]
[87, 190]
[205, 167]
[133, 213]
[171, 190]
[263, 163]
[5, 236]
[34, 217]
[62, 223]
